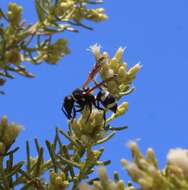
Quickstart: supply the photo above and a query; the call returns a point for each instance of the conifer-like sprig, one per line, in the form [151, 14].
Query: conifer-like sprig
[22, 42]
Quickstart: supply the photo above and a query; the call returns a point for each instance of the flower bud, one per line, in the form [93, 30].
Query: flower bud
[2, 148]
[143, 164]
[119, 54]
[96, 15]
[13, 56]
[53, 176]
[54, 52]
[10, 134]
[108, 73]
[65, 184]
[120, 185]
[134, 149]
[114, 65]
[151, 157]
[102, 17]
[14, 13]
[146, 183]
[95, 49]
[92, 158]
[135, 172]
[134, 70]
[122, 109]
[105, 55]
[62, 174]
[124, 163]
[58, 181]
[4, 121]
[97, 185]
[67, 5]
[112, 87]
[102, 174]
[174, 170]
[14, 130]
[122, 74]
[179, 157]
[3, 125]
[84, 187]
[98, 119]
[76, 126]
[85, 139]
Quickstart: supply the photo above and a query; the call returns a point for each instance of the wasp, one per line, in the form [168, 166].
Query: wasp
[82, 97]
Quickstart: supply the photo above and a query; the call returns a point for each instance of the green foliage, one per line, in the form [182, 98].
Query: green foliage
[73, 162]
[144, 171]
[21, 42]
[104, 183]
[70, 163]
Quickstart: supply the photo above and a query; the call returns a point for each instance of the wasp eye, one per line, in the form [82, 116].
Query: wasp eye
[67, 98]
[77, 93]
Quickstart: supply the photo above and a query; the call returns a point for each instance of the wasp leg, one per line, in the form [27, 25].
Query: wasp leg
[74, 114]
[80, 109]
[90, 111]
[69, 116]
[97, 105]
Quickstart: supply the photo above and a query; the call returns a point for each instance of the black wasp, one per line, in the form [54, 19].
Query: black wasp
[82, 97]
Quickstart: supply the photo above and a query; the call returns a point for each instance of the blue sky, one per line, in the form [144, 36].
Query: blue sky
[155, 34]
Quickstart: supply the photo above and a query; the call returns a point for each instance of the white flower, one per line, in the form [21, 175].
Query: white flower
[85, 187]
[119, 53]
[132, 144]
[135, 69]
[102, 174]
[95, 49]
[179, 158]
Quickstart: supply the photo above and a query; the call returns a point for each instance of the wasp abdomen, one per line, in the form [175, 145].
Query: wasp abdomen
[107, 100]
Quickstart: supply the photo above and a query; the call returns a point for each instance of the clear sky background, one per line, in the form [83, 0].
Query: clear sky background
[155, 34]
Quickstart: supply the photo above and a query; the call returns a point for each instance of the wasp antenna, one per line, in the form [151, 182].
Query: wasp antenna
[94, 71]
[98, 85]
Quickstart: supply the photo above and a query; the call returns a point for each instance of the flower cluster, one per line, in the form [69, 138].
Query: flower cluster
[8, 134]
[53, 53]
[24, 42]
[106, 183]
[58, 182]
[14, 14]
[124, 77]
[145, 172]
[89, 128]
[178, 164]
[77, 11]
